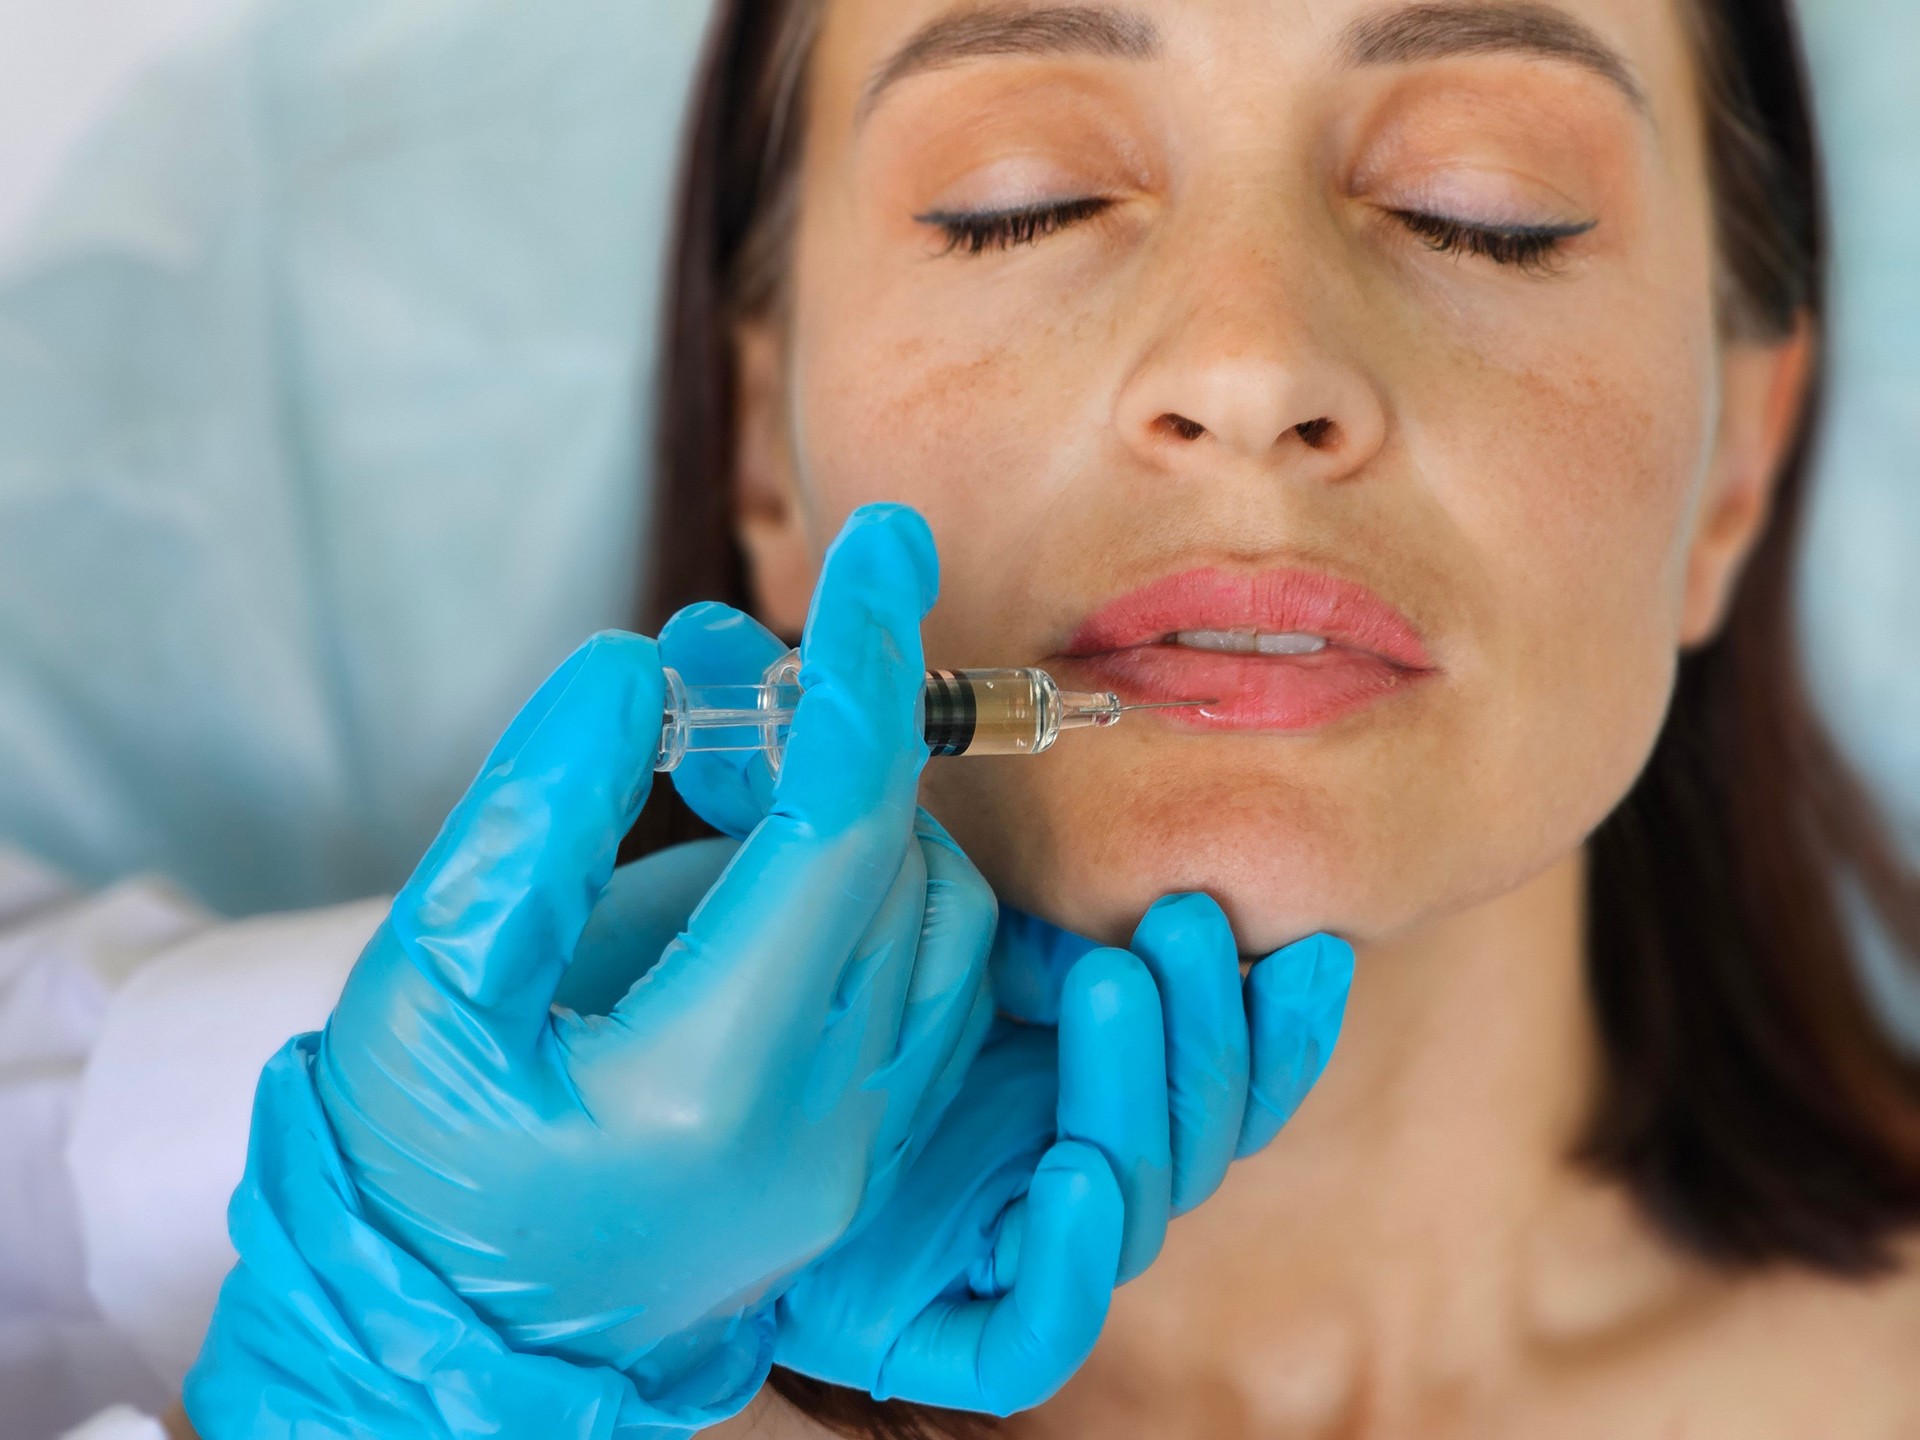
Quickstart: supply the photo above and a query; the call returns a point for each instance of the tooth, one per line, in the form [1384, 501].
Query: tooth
[1250, 642]
[1293, 643]
[1227, 642]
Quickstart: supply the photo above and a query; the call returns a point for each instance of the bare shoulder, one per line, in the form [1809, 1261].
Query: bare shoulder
[1881, 1313]
[1843, 1349]
[769, 1418]
[1653, 1342]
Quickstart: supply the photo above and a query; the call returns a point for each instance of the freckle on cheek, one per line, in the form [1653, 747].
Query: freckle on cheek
[1603, 475]
[933, 434]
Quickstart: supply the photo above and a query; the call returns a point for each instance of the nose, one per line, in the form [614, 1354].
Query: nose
[1241, 366]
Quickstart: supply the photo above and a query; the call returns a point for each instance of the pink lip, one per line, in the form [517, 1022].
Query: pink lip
[1373, 650]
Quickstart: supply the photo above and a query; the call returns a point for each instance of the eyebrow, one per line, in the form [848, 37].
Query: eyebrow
[1436, 32]
[1006, 30]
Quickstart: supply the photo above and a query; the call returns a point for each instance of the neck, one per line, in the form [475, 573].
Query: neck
[1420, 1218]
[1467, 1058]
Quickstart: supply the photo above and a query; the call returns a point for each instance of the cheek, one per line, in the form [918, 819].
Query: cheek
[888, 420]
[883, 419]
[1577, 503]
[1571, 500]
[979, 415]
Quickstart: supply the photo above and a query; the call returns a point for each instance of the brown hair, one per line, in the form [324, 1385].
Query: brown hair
[1749, 1099]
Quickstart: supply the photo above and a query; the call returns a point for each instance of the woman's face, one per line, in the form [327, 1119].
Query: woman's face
[1205, 327]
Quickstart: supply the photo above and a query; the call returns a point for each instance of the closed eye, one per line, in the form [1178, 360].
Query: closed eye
[972, 232]
[1529, 248]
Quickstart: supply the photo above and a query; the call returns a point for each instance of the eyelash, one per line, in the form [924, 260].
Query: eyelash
[1528, 248]
[976, 232]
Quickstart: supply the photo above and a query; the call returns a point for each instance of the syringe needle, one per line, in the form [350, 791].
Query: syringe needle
[1170, 705]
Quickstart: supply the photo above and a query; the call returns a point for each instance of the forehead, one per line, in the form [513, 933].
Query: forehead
[869, 47]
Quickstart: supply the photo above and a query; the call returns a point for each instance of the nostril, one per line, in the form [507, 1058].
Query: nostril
[1321, 434]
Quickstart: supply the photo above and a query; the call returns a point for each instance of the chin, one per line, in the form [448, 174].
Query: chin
[1283, 861]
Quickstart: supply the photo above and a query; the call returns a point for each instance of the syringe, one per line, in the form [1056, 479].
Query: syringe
[967, 712]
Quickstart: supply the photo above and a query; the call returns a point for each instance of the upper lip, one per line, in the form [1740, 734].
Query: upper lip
[1277, 601]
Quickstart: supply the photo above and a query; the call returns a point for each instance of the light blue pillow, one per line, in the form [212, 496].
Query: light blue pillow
[321, 385]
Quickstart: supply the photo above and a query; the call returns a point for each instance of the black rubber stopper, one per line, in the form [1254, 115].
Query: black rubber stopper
[952, 713]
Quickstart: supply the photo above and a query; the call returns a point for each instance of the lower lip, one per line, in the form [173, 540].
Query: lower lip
[1249, 692]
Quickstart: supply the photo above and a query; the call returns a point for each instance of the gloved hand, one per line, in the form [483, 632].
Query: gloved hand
[983, 1282]
[539, 1218]
[966, 1290]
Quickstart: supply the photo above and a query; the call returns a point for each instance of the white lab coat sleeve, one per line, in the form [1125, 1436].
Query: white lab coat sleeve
[118, 1422]
[160, 1133]
[133, 1025]
[62, 957]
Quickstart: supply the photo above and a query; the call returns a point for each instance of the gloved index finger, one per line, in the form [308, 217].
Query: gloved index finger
[495, 908]
[1113, 1090]
[795, 901]
[1296, 999]
[856, 744]
[1188, 945]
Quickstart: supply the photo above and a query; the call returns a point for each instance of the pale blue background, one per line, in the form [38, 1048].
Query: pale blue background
[1862, 596]
[321, 401]
[320, 379]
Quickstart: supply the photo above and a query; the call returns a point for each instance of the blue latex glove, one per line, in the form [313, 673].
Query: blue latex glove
[983, 1282]
[967, 1289]
[588, 1218]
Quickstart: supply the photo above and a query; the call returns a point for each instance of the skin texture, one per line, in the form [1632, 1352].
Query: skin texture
[1520, 463]
[1555, 471]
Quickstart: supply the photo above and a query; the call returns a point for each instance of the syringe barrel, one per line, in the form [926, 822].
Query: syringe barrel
[964, 712]
[970, 712]
[991, 712]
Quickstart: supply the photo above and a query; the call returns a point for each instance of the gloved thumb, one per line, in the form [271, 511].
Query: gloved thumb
[714, 644]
